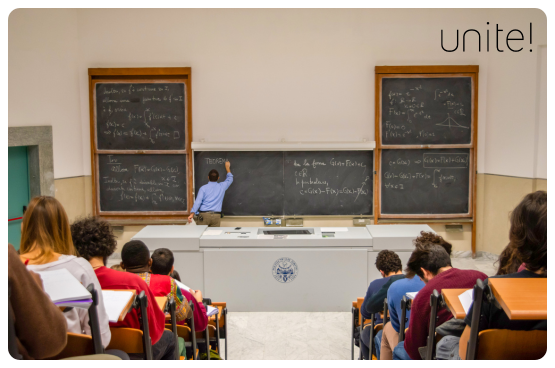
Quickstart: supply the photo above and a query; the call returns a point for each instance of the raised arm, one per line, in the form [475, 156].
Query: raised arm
[229, 177]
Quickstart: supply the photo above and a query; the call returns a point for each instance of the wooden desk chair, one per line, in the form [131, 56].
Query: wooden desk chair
[79, 344]
[130, 340]
[428, 352]
[220, 322]
[511, 345]
[375, 328]
[501, 344]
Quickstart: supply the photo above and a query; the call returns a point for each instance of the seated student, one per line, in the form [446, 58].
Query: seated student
[390, 266]
[528, 239]
[46, 245]
[95, 242]
[39, 335]
[135, 258]
[396, 292]
[432, 264]
[162, 264]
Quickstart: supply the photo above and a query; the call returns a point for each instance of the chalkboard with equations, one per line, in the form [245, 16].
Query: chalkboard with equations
[426, 111]
[142, 183]
[141, 116]
[292, 183]
[424, 182]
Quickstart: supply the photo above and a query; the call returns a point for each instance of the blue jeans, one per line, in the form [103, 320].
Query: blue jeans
[378, 343]
[399, 352]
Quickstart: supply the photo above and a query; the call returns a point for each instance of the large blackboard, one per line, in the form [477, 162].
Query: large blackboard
[415, 181]
[142, 182]
[292, 183]
[140, 116]
[426, 111]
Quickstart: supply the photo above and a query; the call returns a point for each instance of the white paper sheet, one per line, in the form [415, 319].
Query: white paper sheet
[412, 295]
[61, 286]
[213, 232]
[183, 286]
[334, 229]
[115, 302]
[466, 299]
[210, 311]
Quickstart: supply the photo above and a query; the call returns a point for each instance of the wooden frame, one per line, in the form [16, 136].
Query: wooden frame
[429, 71]
[140, 75]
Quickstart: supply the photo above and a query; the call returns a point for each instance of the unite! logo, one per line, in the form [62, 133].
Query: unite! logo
[512, 36]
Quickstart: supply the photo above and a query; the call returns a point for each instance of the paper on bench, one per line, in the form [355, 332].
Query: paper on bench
[210, 311]
[213, 232]
[412, 296]
[115, 302]
[61, 286]
[467, 298]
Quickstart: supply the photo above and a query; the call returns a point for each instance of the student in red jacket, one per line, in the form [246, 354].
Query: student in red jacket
[162, 264]
[433, 265]
[95, 242]
[135, 258]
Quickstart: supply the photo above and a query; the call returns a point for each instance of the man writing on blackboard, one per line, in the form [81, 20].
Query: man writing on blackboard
[207, 209]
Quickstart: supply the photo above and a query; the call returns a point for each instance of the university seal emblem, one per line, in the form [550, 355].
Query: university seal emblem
[285, 270]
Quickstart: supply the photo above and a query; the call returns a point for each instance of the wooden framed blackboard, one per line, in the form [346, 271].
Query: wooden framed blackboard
[426, 143]
[292, 183]
[141, 143]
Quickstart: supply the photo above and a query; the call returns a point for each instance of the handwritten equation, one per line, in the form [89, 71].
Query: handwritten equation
[142, 183]
[141, 116]
[427, 111]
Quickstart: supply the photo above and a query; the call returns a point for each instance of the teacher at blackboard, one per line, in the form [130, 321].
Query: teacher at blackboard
[209, 199]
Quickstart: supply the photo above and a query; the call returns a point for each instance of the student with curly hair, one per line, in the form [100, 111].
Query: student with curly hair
[391, 268]
[95, 241]
[528, 243]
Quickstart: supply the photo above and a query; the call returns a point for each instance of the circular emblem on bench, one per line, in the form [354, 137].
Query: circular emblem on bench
[285, 270]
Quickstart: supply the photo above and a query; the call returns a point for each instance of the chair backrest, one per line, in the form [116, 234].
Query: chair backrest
[129, 340]
[77, 345]
[222, 318]
[182, 331]
[93, 321]
[511, 345]
[359, 307]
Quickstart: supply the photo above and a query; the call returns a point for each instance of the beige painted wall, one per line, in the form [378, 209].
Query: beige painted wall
[497, 196]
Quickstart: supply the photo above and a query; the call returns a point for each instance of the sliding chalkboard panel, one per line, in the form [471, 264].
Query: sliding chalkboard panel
[328, 183]
[426, 111]
[140, 116]
[292, 183]
[257, 188]
[142, 183]
[423, 182]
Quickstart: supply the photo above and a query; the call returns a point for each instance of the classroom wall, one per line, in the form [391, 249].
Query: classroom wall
[268, 75]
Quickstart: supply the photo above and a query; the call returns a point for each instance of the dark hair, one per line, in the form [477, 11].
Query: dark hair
[175, 275]
[388, 262]
[93, 238]
[428, 256]
[508, 262]
[213, 175]
[135, 254]
[433, 238]
[162, 261]
[528, 234]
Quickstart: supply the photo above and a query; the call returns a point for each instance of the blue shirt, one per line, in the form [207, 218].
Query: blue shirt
[374, 287]
[211, 196]
[394, 296]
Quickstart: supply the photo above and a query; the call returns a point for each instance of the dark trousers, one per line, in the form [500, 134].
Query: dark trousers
[164, 349]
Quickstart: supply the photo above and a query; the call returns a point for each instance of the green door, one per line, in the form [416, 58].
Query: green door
[18, 191]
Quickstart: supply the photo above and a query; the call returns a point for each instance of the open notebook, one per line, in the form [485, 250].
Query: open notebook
[64, 289]
[116, 303]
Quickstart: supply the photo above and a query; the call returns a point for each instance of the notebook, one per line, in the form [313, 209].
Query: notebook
[412, 296]
[467, 298]
[115, 302]
[211, 311]
[64, 289]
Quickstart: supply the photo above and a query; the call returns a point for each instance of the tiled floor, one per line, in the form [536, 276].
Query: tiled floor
[308, 336]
